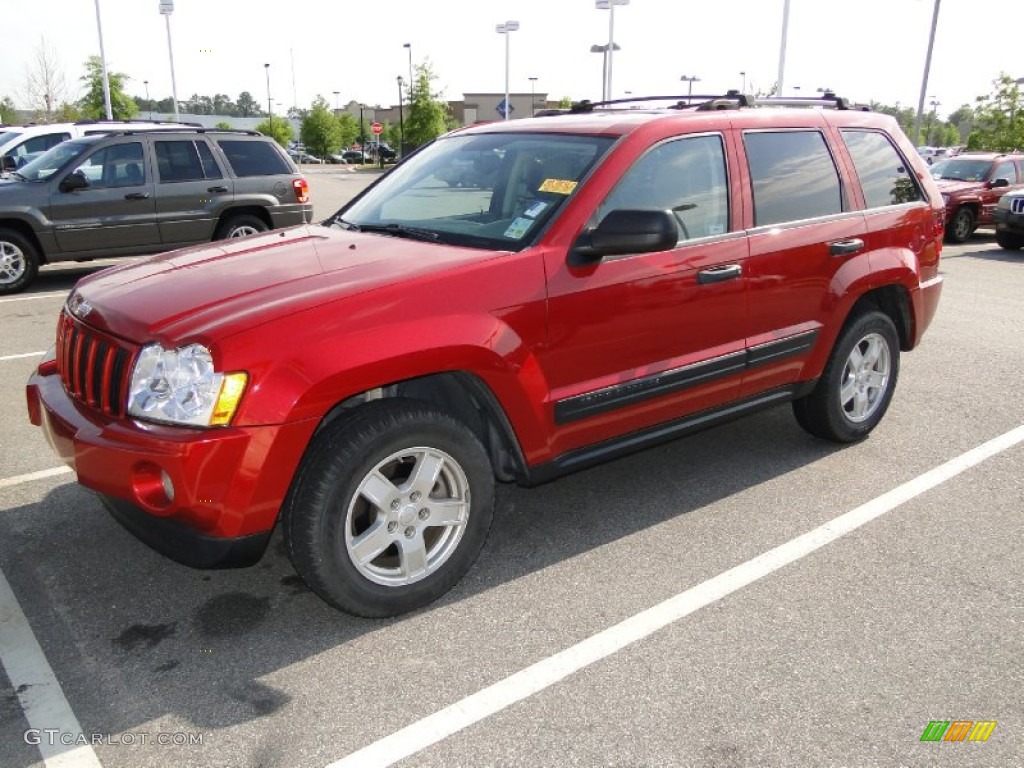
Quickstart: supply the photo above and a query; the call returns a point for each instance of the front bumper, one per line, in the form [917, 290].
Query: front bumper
[226, 485]
[1008, 221]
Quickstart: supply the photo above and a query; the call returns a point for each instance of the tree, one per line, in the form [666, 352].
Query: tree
[224, 126]
[45, 84]
[349, 126]
[565, 103]
[963, 120]
[68, 113]
[320, 129]
[905, 116]
[7, 113]
[279, 130]
[999, 118]
[428, 112]
[92, 104]
[247, 105]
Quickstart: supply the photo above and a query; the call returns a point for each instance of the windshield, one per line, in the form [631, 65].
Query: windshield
[494, 191]
[53, 160]
[961, 169]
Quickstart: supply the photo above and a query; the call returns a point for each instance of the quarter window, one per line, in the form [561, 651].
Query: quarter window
[1005, 170]
[686, 176]
[882, 172]
[793, 175]
[254, 158]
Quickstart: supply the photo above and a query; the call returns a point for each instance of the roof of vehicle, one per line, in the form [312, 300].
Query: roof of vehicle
[979, 154]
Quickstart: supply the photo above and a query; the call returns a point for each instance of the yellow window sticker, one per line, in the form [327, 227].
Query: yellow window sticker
[558, 186]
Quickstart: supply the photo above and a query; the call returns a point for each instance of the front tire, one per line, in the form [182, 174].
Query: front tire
[19, 261]
[390, 508]
[241, 225]
[857, 385]
[961, 226]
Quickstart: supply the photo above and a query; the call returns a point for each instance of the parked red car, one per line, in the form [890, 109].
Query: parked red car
[971, 183]
[609, 279]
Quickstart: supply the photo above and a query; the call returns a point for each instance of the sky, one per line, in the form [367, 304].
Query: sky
[864, 49]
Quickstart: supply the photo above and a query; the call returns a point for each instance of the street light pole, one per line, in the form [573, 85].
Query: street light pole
[744, 76]
[103, 65]
[690, 80]
[148, 104]
[782, 47]
[533, 96]
[401, 125]
[337, 109]
[506, 29]
[924, 80]
[411, 81]
[609, 5]
[362, 135]
[270, 108]
[167, 8]
[931, 120]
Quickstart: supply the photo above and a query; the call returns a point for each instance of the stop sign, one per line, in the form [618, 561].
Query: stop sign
[377, 128]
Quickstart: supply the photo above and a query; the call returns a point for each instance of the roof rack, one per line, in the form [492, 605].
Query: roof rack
[704, 103]
[190, 128]
[133, 121]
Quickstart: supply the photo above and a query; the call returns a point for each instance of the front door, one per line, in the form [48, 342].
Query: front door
[640, 339]
[115, 212]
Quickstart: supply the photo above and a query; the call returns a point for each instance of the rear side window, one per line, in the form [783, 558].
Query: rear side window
[254, 158]
[793, 175]
[178, 161]
[883, 174]
[209, 164]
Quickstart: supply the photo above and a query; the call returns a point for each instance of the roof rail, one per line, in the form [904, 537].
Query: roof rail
[706, 102]
[133, 120]
[185, 128]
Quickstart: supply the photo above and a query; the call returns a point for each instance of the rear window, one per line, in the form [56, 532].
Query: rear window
[883, 174]
[254, 158]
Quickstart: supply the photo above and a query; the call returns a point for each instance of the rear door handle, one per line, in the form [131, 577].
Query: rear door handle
[846, 247]
[719, 274]
[217, 189]
[136, 196]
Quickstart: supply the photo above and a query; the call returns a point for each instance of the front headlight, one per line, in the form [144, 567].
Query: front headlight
[180, 386]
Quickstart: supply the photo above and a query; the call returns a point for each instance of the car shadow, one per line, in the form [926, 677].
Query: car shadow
[134, 637]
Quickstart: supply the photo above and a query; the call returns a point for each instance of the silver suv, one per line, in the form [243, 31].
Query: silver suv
[138, 192]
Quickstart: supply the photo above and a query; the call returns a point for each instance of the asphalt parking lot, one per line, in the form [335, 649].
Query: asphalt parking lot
[834, 655]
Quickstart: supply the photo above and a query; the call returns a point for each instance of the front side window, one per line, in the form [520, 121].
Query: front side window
[119, 165]
[883, 174]
[793, 175]
[495, 191]
[685, 176]
[1005, 170]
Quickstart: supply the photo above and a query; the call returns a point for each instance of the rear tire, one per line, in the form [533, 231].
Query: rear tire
[961, 226]
[19, 261]
[858, 382]
[1009, 240]
[240, 225]
[390, 508]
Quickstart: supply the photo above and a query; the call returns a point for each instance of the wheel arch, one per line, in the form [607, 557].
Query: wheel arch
[24, 229]
[244, 210]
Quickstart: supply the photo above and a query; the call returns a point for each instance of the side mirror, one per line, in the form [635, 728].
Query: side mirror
[73, 181]
[627, 231]
[996, 183]
[8, 163]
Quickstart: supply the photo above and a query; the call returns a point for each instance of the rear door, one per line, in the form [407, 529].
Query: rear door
[191, 190]
[115, 211]
[804, 231]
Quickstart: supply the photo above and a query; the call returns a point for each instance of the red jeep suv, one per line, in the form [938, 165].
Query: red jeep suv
[971, 184]
[599, 281]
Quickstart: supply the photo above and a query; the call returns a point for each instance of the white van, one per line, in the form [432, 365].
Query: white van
[22, 143]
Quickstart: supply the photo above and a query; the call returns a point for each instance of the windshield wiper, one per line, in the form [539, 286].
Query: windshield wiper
[398, 230]
[341, 222]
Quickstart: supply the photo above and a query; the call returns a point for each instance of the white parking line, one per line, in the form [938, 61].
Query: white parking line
[545, 673]
[19, 479]
[22, 355]
[40, 695]
[35, 296]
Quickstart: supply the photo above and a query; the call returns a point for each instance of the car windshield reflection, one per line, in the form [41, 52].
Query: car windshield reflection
[53, 160]
[494, 191]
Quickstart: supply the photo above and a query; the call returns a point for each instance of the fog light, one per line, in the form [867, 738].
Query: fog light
[153, 488]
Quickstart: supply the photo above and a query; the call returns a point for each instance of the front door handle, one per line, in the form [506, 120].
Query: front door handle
[136, 196]
[217, 189]
[846, 247]
[719, 274]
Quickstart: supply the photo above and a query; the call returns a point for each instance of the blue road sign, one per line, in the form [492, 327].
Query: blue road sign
[502, 106]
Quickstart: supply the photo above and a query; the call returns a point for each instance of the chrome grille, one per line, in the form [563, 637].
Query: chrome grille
[93, 368]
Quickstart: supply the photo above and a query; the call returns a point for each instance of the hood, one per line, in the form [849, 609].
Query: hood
[208, 292]
[950, 186]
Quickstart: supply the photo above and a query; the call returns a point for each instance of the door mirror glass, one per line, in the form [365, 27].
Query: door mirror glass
[74, 181]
